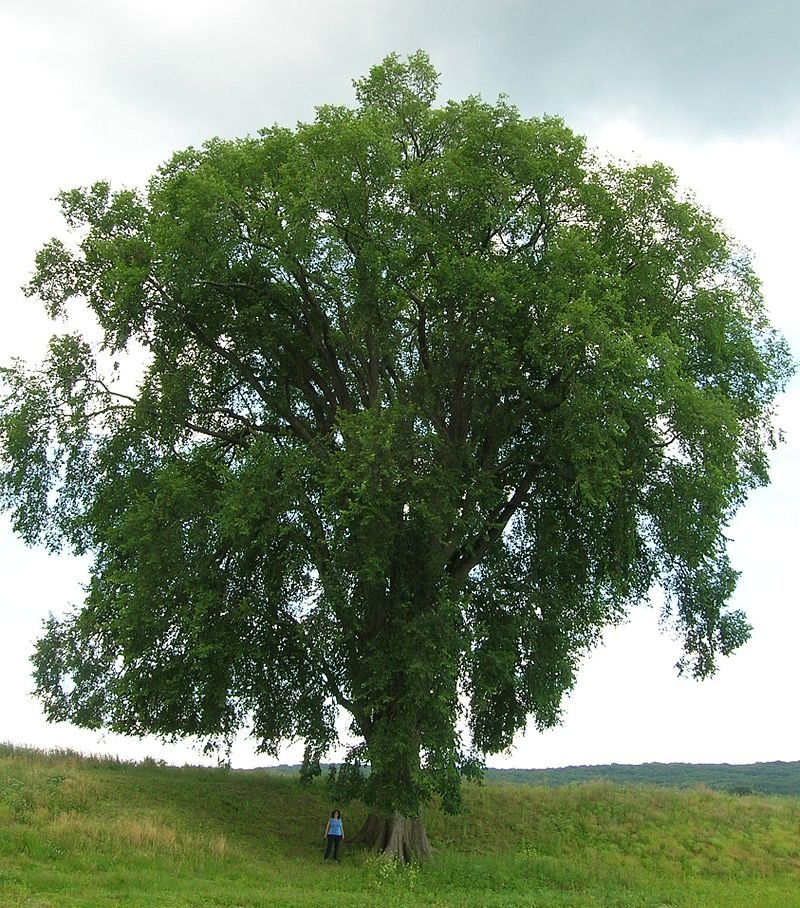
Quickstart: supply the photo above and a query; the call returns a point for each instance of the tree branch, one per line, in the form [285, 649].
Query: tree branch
[470, 555]
[319, 332]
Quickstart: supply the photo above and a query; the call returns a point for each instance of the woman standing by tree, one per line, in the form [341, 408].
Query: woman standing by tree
[334, 833]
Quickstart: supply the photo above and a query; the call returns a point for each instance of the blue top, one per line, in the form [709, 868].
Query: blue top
[334, 826]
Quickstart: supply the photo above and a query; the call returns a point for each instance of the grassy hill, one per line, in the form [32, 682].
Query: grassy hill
[95, 832]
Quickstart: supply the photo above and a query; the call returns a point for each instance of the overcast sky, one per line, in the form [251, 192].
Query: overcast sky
[105, 89]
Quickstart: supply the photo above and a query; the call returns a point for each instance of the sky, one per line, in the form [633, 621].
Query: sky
[108, 89]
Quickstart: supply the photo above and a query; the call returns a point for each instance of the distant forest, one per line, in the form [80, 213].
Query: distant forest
[777, 778]
[754, 778]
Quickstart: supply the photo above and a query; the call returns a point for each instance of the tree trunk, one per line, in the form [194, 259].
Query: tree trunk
[395, 837]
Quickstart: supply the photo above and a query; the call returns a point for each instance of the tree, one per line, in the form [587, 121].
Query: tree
[429, 397]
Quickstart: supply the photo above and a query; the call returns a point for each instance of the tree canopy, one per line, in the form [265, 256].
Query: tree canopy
[429, 396]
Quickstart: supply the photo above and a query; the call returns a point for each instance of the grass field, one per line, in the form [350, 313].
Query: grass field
[97, 833]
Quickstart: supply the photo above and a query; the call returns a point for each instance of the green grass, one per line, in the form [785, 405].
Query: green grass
[98, 833]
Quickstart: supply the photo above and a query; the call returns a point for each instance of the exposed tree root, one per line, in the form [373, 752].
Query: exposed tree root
[395, 837]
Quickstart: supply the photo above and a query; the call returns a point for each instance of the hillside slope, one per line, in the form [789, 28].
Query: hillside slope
[98, 833]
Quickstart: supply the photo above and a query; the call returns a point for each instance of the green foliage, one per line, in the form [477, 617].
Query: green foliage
[429, 396]
[347, 782]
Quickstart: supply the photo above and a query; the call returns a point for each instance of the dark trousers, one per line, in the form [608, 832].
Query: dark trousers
[333, 843]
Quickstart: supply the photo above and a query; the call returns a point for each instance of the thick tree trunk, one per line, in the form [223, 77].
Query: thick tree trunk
[395, 837]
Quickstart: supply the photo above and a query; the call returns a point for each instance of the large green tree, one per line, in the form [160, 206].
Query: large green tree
[427, 398]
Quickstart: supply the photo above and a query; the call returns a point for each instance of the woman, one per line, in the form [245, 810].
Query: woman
[334, 833]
